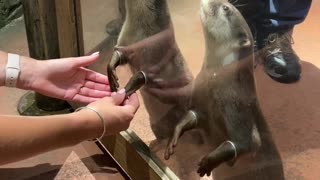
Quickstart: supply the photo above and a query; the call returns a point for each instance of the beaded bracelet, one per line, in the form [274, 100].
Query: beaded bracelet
[101, 119]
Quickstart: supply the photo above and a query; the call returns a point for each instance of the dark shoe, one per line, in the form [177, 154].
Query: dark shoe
[280, 61]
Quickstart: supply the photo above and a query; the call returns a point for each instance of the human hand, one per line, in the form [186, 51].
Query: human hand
[116, 111]
[66, 79]
[177, 90]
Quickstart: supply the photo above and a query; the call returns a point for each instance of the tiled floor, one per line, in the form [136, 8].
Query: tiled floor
[292, 111]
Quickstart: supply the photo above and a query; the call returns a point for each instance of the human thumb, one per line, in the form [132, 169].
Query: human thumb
[119, 97]
[84, 61]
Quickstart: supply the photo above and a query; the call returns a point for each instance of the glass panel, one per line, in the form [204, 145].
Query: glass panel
[95, 15]
[240, 93]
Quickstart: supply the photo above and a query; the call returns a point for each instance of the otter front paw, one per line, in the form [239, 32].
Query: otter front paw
[170, 149]
[205, 166]
[113, 78]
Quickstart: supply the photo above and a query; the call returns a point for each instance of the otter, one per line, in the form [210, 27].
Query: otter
[224, 102]
[113, 28]
[147, 44]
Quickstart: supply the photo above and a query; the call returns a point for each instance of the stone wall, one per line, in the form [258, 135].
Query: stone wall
[9, 10]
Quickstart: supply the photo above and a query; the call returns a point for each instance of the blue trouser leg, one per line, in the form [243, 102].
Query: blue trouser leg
[269, 21]
[285, 13]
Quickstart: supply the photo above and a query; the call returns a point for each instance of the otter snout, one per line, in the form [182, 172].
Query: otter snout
[217, 18]
[215, 8]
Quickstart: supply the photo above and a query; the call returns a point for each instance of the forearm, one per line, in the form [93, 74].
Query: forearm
[28, 68]
[23, 137]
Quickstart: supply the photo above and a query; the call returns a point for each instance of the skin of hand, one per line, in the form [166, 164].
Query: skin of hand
[64, 78]
[36, 135]
[116, 111]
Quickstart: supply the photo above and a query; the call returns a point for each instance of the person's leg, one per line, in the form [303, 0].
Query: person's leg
[274, 30]
[287, 13]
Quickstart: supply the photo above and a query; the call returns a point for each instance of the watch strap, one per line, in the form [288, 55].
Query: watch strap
[12, 70]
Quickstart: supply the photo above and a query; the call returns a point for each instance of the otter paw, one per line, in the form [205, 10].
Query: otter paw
[113, 80]
[205, 167]
[169, 150]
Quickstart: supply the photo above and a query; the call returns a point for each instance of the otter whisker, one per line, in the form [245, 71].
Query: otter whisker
[240, 5]
[233, 2]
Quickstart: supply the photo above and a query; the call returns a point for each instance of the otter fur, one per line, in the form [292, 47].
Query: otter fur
[224, 102]
[147, 44]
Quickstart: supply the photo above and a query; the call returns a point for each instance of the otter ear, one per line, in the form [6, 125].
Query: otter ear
[244, 42]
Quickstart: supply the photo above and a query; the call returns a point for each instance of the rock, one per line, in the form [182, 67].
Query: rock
[15, 14]
[9, 10]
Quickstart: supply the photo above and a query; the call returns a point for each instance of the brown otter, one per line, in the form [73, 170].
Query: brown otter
[147, 43]
[113, 28]
[224, 101]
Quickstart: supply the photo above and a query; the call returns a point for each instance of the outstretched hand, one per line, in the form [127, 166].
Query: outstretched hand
[67, 79]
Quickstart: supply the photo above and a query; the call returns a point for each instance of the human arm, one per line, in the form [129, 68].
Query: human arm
[22, 137]
[64, 78]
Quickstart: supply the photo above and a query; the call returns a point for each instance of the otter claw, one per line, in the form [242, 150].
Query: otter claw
[169, 151]
[111, 70]
[113, 79]
[172, 144]
[204, 167]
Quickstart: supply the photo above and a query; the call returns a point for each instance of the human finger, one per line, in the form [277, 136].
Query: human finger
[96, 86]
[96, 77]
[119, 97]
[84, 99]
[84, 60]
[133, 102]
[84, 91]
[173, 83]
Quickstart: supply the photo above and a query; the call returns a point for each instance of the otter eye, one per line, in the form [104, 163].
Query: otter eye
[226, 8]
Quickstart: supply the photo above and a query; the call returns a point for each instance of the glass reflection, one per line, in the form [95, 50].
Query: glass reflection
[213, 119]
[221, 101]
[147, 43]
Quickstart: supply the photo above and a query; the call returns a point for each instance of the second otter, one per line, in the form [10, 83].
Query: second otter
[224, 101]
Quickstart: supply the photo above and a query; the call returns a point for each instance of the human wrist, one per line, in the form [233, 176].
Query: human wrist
[3, 62]
[89, 123]
[28, 72]
[27, 67]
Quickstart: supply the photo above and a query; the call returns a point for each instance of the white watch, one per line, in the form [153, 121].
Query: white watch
[12, 70]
